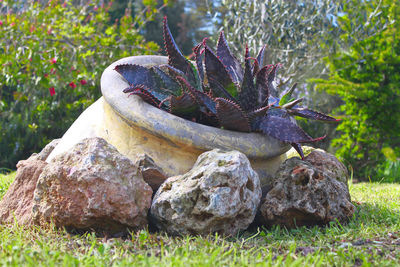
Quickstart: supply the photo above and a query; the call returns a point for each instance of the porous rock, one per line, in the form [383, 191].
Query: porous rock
[328, 164]
[220, 193]
[152, 174]
[302, 195]
[92, 187]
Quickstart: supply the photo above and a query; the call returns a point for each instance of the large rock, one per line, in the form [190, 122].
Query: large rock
[220, 193]
[16, 205]
[92, 186]
[303, 195]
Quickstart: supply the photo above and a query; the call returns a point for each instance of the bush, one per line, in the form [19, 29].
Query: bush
[52, 56]
[367, 78]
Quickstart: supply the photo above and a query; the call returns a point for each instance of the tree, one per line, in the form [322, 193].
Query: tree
[367, 77]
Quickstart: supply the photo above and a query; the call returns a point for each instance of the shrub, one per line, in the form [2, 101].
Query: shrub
[52, 56]
[367, 78]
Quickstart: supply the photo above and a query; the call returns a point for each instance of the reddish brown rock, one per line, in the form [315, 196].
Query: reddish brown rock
[303, 195]
[328, 164]
[152, 174]
[92, 187]
[16, 204]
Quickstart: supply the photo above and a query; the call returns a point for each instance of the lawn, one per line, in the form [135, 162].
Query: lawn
[371, 238]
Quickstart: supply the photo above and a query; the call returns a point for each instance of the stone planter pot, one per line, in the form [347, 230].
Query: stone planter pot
[133, 127]
[174, 143]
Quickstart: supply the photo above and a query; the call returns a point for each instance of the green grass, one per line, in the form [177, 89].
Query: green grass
[371, 238]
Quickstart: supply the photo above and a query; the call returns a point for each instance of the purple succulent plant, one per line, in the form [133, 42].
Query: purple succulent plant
[216, 90]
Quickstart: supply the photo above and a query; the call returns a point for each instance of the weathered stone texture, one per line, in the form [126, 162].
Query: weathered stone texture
[220, 193]
[92, 186]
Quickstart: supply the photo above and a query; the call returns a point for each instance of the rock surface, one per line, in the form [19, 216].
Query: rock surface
[303, 195]
[220, 193]
[16, 205]
[152, 174]
[92, 186]
[329, 164]
[46, 151]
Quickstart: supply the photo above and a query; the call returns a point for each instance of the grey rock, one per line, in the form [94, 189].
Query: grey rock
[220, 193]
[302, 195]
[92, 186]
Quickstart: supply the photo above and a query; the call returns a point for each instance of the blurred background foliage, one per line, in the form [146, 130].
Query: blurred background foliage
[344, 54]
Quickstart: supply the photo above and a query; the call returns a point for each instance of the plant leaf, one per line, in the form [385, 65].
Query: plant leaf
[167, 83]
[299, 150]
[292, 103]
[232, 65]
[231, 116]
[311, 114]
[199, 59]
[260, 56]
[248, 93]
[203, 99]
[183, 106]
[259, 112]
[175, 56]
[287, 96]
[284, 130]
[144, 94]
[136, 74]
[218, 77]
[262, 86]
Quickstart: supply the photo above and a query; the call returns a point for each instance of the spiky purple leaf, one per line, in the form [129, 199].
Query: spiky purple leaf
[144, 94]
[136, 74]
[203, 99]
[231, 116]
[262, 86]
[284, 130]
[183, 106]
[248, 92]
[218, 77]
[230, 61]
[311, 114]
[165, 82]
[175, 56]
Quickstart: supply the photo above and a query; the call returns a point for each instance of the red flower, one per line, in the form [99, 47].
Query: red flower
[53, 60]
[1, 23]
[83, 82]
[52, 91]
[72, 85]
[46, 75]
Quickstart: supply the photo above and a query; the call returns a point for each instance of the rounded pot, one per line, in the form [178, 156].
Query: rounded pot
[133, 127]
